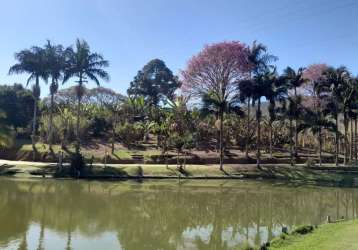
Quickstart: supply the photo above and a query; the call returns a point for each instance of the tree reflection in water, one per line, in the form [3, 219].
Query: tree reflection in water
[160, 215]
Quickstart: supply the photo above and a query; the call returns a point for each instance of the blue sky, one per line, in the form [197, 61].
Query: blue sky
[129, 33]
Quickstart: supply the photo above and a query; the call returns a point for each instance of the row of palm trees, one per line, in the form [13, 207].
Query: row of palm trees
[57, 64]
[334, 93]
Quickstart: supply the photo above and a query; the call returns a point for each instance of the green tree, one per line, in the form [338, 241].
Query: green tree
[263, 86]
[333, 80]
[316, 121]
[294, 80]
[6, 135]
[260, 61]
[17, 104]
[55, 65]
[155, 82]
[33, 62]
[84, 65]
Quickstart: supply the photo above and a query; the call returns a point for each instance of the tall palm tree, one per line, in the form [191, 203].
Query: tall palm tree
[347, 99]
[294, 80]
[33, 62]
[218, 106]
[276, 91]
[289, 110]
[260, 61]
[330, 88]
[263, 84]
[83, 64]
[55, 58]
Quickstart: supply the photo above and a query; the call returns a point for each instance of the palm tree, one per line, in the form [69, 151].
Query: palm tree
[33, 62]
[294, 80]
[316, 121]
[275, 92]
[55, 67]
[330, 88]
[260, 61]
[212, 104]
[289, 111]
[83, 64]
[263, 85]
[347, 98]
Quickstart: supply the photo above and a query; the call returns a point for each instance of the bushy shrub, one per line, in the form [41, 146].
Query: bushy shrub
[131, 133]
[303, 229]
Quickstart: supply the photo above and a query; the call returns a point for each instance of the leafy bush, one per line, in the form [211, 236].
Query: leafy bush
[303, 230]
[129, 133]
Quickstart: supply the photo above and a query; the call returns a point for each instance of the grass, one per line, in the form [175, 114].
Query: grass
[336, 236]
[296, 175]
[26, 146]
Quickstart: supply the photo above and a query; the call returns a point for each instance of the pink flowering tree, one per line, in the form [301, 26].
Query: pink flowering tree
[313, 75]
[215, 72]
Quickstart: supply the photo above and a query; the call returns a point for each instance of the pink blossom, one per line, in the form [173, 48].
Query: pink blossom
[314, 71]
[217, 68]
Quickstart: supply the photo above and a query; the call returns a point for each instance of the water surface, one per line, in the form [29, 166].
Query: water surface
[65, 214]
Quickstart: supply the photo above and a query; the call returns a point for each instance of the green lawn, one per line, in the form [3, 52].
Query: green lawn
[336, 236]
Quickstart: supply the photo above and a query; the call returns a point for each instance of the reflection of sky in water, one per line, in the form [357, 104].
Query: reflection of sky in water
[57, 241]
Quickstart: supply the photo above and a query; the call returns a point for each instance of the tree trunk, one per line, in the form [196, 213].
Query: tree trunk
[296, 126]
[34, 122]
[320, 146]
[346, 123]
[291, 142]
[270, 139]
[351, 142]
[248, 128]
[355, 140]
[113, 138]
[50, 134]
[337, 141]
[221, 140]
[33, 137]
[258, 118]
[79, 95]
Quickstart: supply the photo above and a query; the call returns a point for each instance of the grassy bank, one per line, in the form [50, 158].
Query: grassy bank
[297, 174]
[148, 153]
[335, 236]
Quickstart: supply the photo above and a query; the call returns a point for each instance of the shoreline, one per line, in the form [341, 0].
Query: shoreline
[327, 175]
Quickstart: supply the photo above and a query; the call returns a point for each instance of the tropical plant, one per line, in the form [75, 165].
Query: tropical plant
[316, 122]
[260, 64]
[330, 88]
[84, 65]
[33, 62]
[294, 80]
[55, 65]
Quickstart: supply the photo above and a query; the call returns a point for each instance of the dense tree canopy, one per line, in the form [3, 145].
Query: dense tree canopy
[16, 103]
[155, 82]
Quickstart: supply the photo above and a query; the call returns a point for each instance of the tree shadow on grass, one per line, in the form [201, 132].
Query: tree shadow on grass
[183, 171]
[6, 169]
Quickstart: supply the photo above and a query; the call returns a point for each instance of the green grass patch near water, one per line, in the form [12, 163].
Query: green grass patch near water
[335, 236]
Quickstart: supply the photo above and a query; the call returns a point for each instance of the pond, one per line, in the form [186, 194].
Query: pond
[68, 214]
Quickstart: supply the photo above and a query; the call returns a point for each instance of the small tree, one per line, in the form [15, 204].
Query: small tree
[216, 71]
